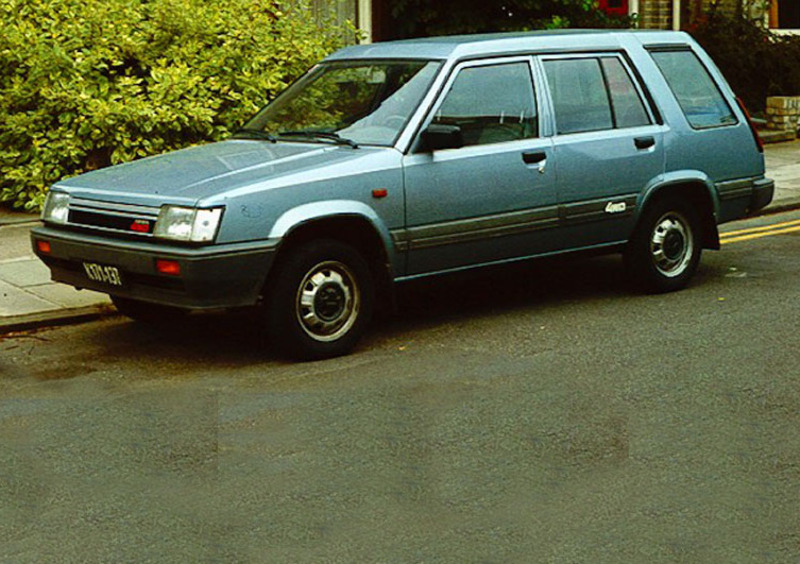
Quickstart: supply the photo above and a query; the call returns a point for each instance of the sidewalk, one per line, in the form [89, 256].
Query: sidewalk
[28, 298]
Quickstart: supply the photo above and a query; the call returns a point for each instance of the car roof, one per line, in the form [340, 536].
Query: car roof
[464, 46]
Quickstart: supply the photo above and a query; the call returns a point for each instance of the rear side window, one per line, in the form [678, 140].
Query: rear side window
[697, 93]
[579, 95]
[593, 94]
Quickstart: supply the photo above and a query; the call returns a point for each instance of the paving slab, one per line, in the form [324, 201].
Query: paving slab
[787, 181]
[16, 301]
[781, 154]
[15, 241]
[67, 296]
[24, 272]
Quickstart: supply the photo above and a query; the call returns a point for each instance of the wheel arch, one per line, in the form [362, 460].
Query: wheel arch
[696, 188]
[353, 223]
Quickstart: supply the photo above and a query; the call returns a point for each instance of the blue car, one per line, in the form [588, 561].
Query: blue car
[399, 160]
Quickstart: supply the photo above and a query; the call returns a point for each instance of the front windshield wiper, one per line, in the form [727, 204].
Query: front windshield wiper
[251, 133]
[335, 137]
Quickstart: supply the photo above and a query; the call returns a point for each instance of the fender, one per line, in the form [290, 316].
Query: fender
[306, 213]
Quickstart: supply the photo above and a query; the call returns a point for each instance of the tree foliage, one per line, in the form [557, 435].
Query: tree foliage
[88, 83]
[756, 62]
[419, 18]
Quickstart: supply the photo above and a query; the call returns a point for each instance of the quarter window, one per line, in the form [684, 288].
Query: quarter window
[491, 104]
[593, 94]
[697, 93]
[627, 105]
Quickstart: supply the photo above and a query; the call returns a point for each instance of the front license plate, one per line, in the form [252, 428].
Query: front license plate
[103, 273]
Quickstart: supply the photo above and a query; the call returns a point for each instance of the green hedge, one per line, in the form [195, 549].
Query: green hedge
[756, 62]
[88, 83]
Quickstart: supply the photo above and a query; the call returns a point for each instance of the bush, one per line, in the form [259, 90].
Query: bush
[756, 62]
[88, 83]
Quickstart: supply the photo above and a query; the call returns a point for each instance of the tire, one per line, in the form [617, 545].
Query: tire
[146, 312]
[665, 249]
[320, 300]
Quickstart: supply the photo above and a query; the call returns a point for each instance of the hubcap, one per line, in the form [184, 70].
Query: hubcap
[671, 244]
[328, 301]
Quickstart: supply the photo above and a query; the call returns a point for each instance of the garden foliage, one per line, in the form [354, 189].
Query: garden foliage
[418, 18]
[88, 83]
[756, 62]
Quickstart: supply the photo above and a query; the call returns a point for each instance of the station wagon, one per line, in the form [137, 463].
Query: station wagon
[407, 159]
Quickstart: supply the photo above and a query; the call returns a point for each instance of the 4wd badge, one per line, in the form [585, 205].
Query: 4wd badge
[616, 207]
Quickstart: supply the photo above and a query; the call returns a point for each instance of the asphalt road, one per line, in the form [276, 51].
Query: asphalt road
[537, 413]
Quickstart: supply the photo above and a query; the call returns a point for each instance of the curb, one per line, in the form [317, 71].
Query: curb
[23, 223]
[780, 207]
[12, 217]
[54, 318]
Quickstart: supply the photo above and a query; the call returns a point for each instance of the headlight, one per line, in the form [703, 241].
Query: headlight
[188, 224]
[56, 207]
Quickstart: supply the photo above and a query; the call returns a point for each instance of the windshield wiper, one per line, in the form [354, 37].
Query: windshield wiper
[335, 137]
[251, 133]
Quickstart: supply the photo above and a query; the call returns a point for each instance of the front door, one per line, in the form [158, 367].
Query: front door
[492, 198]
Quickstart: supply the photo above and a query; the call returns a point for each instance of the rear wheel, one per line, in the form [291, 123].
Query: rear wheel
[147, 312]
[665, 250]
[320, 300]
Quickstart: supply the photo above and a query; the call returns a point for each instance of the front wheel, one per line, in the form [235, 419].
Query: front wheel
[664, 252]
[320, 300]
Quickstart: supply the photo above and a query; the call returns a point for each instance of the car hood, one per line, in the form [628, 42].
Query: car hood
[198, 172]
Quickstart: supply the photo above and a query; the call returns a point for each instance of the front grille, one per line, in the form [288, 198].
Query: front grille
[106, 216]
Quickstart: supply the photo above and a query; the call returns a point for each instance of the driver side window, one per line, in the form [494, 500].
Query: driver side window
[491, 104]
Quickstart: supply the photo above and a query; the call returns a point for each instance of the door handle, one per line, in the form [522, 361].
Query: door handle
[535, 157]
[644, 142]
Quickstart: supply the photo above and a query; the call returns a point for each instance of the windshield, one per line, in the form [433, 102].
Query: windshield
[356, 103]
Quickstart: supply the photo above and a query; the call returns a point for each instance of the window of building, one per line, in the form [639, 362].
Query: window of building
[788, 14]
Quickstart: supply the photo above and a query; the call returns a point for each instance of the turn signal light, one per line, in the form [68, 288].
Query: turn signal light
[43, 247]
[170, 267]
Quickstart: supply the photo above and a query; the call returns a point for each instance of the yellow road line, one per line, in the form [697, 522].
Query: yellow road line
[759, 229]
[759, 235]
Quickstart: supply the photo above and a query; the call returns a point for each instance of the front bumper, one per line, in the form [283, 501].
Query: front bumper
[214, 276]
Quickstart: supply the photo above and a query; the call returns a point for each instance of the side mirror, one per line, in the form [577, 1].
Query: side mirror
[438, 136]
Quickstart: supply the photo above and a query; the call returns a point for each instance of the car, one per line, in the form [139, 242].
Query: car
[393, 161]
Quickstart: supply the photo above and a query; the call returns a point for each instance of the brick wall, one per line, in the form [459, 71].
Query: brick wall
[783, 113]
[655, 14]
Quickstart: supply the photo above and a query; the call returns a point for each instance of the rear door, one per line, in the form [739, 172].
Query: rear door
[608, 145]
